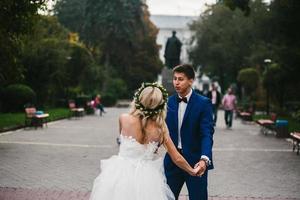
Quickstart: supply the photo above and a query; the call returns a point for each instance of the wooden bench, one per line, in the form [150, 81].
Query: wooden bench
[267, 125]
[75, 111]
[245, 115]
[35, 118]
[296, 141]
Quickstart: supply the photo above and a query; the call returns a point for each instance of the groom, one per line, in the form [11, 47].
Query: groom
[190, 123]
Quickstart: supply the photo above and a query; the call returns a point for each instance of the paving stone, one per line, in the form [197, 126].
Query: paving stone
[61, 161]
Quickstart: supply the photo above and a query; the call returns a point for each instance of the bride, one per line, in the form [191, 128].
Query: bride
[136, 173]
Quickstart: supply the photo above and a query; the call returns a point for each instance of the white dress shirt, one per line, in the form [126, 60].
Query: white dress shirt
[181, 110]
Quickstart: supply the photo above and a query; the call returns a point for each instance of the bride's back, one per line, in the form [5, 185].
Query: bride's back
[132, 126]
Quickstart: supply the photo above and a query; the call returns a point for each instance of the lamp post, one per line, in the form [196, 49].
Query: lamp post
[267, 62]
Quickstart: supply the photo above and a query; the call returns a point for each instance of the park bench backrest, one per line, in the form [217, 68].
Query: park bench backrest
[30, 112]
[273, 117]
[72, 105]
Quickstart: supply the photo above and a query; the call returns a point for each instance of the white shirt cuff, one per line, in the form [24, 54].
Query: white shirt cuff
[206, 158]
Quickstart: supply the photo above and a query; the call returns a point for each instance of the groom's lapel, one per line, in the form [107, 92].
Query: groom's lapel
[188, 108]
[176, 113]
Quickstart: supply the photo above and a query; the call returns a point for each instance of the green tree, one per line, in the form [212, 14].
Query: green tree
[71, 14]
[274, 81]
[222, 39]
[44, 69]
[56, 68]
[249, 79]
[241, 4]
[120, 36]
[227, 41]
[285, 43]
[82, 71]
[16, 18]
[126, 38]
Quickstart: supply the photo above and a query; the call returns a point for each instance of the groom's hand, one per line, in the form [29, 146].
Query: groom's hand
[201, 167]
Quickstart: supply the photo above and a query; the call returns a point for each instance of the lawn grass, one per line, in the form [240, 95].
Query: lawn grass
[10, 121]
[292, 123]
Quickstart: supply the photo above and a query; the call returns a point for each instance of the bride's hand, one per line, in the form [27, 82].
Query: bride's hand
[201, 167]
[195, 171]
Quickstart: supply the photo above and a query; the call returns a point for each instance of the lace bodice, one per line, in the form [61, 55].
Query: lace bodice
[131, 148]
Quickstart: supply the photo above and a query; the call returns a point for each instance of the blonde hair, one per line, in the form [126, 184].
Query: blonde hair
[151, 97]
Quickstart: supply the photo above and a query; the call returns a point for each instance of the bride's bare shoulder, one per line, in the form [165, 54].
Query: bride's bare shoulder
[123, 115]
[127, 117]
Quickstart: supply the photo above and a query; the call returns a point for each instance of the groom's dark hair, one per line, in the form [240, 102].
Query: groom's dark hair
[187, 69]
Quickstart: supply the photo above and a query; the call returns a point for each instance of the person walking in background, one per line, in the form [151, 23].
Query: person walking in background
[190, 122]
[229, 105]
[98, 104]
[215, 97]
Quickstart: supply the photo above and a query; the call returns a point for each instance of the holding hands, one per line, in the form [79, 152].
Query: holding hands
[199, 168]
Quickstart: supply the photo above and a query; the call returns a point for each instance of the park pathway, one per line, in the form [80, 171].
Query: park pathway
[61, 161]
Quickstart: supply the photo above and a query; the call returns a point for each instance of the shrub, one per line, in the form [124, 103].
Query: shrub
[249, 78]
[81, 101]
[16, 96]
[116, 87]
[109, 99]
[296, 115]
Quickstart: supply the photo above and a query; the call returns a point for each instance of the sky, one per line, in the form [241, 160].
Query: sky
[172, 7]
[178, 7]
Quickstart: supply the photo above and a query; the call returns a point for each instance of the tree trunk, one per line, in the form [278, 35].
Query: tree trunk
[105, 72]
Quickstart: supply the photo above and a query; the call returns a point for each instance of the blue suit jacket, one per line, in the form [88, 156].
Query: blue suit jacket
[196, 129]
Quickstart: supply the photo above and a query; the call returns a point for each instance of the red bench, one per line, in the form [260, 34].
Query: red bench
[34, 118]
[75, 111]
[296, 141]
[245, 115]
[267, 125]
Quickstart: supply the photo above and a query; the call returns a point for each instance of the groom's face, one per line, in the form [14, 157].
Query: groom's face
[182, 83]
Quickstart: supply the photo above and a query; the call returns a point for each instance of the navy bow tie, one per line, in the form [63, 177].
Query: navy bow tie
[184, 99]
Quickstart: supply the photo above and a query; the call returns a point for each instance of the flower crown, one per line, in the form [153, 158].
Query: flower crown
[150, 111]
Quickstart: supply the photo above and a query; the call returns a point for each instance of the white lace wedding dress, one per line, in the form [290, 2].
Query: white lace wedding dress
[136, 173]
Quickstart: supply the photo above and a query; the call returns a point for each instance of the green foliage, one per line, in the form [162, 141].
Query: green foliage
[16, 96]
[81, 100]
[223, 40]
[126, 37]
[71, 14]
[111, 24]
[91, 78]
[45, 68]
[249, 78]
[58, 113]
[82, 71]
[283, 27]
[120, 36]
[241, 4]
[109, 99]
[116, 89]
[274, 80]
[11, 121]
[296, 116]
[56, 68]
[47, 27]
[16, 18]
